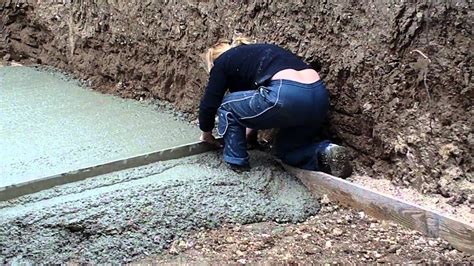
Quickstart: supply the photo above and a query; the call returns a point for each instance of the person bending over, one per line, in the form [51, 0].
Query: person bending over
[269, 87]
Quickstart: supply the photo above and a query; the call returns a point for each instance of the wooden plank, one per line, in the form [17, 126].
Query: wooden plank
[17, 190]
[382, 206]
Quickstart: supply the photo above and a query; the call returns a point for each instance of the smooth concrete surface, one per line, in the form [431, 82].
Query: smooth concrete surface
[128, 215]
[21, 189]
[49, 124]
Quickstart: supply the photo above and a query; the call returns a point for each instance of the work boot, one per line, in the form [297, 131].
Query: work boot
[238, 168]
[335, 160]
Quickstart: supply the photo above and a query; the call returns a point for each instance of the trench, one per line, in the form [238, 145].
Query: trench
[399, 91]
[51, 123]
[402, 112]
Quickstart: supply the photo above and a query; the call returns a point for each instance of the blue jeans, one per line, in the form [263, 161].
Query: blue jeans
[297, 109]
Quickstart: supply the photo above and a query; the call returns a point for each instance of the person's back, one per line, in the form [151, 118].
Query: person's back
[248, 66]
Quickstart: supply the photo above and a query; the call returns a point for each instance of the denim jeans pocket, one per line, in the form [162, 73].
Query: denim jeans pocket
[264, 100]
[244, 110]
[253, 109]
[223, 121]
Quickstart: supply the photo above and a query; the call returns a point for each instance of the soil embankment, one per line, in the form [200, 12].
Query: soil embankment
[399, 73]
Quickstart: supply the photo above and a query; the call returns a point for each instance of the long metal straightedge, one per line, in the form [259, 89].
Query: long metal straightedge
[17, 190]
[385, 207]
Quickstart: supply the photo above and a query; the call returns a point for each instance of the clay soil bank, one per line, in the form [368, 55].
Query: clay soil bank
[399, 73]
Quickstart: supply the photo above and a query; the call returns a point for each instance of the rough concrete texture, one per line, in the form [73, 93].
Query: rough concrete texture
[133, 213]
[49, 124]
[399, 72]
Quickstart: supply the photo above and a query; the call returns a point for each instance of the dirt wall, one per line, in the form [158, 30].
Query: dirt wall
[399, 73]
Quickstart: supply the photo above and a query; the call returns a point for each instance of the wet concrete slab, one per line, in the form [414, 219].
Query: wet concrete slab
[128, 215]
[50, 124]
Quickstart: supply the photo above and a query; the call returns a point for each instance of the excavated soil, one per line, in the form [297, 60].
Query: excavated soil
[399, 73]
[334, 236]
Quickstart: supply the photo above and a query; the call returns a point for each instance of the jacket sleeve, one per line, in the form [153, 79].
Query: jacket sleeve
[212, 98]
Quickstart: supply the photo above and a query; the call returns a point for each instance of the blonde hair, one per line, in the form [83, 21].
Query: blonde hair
[222, 46]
